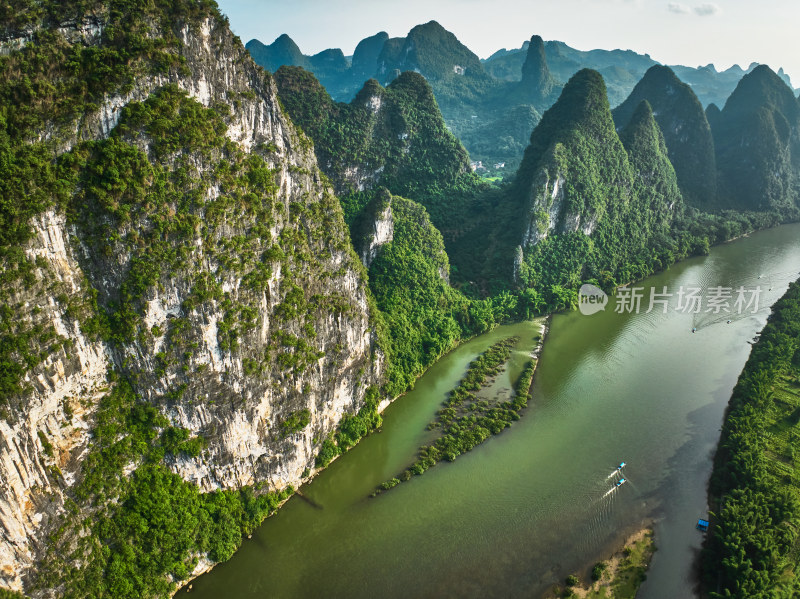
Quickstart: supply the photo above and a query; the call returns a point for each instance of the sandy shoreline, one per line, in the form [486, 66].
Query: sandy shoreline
[635, 554]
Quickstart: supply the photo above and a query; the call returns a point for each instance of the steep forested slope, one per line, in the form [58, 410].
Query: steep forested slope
[686, 132]
[184, 320]
[576, 191]
[757, 138]
[393, 136]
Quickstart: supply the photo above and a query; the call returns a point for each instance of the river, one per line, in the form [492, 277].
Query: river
[531, 505]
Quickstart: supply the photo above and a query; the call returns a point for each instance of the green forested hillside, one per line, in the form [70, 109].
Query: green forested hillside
[152, 198]
[591, 209]
[423, 315]
[470, 99]
[583, 220]
[686, 132]
[656, 195]
[757, 140]
[393, 136]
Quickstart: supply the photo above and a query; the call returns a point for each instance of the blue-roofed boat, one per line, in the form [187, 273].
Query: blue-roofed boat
[621, 466]
[621, 482]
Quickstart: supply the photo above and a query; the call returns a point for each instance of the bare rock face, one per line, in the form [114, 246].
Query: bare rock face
[43, 439]
[548, 213]
[229, 366]
[382, 233]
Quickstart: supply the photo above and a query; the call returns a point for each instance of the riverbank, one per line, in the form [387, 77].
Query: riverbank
[618, 577]
[753, 538]
[609, 387]
[204, 565]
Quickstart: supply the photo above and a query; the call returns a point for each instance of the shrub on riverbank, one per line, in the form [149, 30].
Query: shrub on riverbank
[466, 419]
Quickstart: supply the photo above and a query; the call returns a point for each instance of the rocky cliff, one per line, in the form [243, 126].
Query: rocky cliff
[182, 243]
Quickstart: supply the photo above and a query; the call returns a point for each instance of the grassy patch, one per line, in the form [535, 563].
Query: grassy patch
[618, 578]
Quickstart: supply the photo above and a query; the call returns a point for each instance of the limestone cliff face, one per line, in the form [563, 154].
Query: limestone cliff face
[575, 172]
[382, 232]
[44, 437]
[548, 214]
[229, 366]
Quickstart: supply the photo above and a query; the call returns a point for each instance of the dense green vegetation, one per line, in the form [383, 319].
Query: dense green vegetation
[757, 145]
[469, 98]
[629, 206]
[623, 185]
[137, 531]
[394, 137]
[434, 51]
[423, 316]
[624, 580]
[656, 196]
[296, 421]
[61, 82]
[686, 131]
[468, 418]
[501, 139]
[137, 200]
[351, 428]
[488, 90]
[752, 550]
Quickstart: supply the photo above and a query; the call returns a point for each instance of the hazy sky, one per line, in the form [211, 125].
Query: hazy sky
[689, 32]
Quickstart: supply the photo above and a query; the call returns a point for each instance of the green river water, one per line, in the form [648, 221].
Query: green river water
[528, 507]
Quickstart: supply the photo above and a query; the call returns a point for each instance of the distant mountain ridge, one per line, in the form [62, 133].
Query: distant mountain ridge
[481, 99]
[492, 105]
[381, 55]
[477, 107]
[622, 69]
